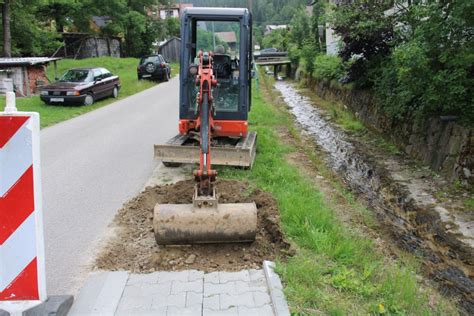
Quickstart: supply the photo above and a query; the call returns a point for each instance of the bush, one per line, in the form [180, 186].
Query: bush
[328, 68]
[431, 74]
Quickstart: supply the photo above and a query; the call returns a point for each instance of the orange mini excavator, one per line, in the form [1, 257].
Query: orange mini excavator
[228, 33]
[215, 100]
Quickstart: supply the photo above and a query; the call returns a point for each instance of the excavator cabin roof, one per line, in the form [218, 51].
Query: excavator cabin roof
[214, 13]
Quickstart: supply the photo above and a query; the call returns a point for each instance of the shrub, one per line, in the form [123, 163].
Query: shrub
[328, 67]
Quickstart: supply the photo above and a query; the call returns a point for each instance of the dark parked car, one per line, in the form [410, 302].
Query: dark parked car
[82, 86]
[153, 67]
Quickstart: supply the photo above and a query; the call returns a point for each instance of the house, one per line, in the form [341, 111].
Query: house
[27, 73]
[229, 38]
[270, 28]
[84, 45]
[157, 12]
[170, 49]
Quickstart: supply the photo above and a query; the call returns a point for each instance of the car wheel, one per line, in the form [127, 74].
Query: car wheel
[150, 68]
[115, 92]
[89, 99]
[139, 77]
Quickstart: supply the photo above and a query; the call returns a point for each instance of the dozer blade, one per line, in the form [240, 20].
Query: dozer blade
[176, 224]
[177, 150]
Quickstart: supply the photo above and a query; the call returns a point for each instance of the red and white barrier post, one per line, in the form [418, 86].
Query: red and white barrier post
[22, 264]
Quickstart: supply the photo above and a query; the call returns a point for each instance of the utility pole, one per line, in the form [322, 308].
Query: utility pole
[250, 5]
[7, 37]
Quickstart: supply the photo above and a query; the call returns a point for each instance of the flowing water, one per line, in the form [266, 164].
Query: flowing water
[399, 199]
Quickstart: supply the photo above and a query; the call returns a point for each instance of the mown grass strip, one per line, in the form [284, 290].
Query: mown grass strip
[336, 270]
[126, 68]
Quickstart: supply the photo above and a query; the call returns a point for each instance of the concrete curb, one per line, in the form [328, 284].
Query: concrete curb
[279, 304]
[101, 294]
[56, 305]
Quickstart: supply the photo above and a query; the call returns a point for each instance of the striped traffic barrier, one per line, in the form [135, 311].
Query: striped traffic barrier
[22, 270]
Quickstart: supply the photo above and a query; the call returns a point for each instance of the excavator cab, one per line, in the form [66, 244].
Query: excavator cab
[227, 33]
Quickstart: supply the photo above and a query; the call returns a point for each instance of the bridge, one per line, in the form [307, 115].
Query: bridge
[275, 59]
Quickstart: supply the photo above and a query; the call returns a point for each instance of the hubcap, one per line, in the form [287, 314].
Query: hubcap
[89, 100]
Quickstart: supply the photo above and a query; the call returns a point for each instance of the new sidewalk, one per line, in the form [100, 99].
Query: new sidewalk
[189, 292]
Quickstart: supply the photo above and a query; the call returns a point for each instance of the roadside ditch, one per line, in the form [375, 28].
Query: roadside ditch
[401, 195]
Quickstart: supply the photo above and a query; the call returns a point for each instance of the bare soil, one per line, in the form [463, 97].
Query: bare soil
[134, 248]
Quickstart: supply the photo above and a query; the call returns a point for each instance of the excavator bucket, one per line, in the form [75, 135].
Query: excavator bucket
[204, 221]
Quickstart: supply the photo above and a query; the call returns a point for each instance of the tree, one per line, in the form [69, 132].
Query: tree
[7, 44]
[367, 34]
[60, 11]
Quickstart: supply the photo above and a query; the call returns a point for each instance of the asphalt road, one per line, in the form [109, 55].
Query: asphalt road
[91, 165]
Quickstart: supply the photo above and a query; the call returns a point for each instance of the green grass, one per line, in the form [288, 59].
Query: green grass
[336, 270]
[469, 203]
[126, 68]
[387, 146]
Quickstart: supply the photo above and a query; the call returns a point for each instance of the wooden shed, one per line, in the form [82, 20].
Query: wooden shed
[84, 45]
[28, 73]
[170, 49]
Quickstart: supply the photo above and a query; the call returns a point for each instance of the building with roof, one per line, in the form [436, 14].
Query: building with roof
[27, 73]
[229, 38]
[162, 12]
[170, 49]
[272, 27]
[84, 45]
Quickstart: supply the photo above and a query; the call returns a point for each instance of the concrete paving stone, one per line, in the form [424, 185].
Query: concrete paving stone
[152, 312]
[135, 279]
[195, 275]
[211, 302]
[193, 298]
[147, 289]
[265, 310]
[212, 289]
[188, 311]
[134, 304]
[242, 287]
[256, 275]
[176, 300]
[244, 299]
[212, 277]
[194, 286]
[233, 311]
[157, 289]
[225, 277]
[164, 277]
[261, 298]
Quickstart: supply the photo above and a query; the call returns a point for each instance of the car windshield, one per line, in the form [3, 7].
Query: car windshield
[76, 75]
[149, 59]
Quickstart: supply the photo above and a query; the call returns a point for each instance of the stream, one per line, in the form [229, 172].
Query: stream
[401, 200]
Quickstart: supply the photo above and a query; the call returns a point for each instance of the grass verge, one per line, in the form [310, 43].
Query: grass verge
[126, 68]
[336, 270]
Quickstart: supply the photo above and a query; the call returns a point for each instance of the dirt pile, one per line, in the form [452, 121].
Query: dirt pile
[134, 248]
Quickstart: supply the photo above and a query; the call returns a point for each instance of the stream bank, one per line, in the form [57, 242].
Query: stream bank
[402, 195]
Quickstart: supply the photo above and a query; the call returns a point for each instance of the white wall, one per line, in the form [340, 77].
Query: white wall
[175, 13]
[332, 41]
